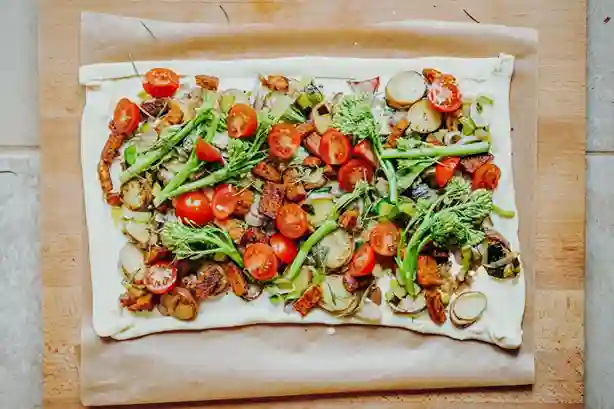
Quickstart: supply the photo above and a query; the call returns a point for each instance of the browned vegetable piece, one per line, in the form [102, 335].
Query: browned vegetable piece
[244, 202]
[432, 139]
[376, 295]
[109, 152]
[142, 303]
[272, 199]
[353, 284]
[473, 162]
[156, 253]
[312, 143]
[174, 116]
[348, 219]
[236, 279]
[312, 161]
[330, 172]
[187, 307]
[208, 82]
[211, 281]
[254, 235]
[235, 228]
[168, 303]
[136, 194]
[434, 306]
[305, 129]
[427, 272]
[154, 108]
[276, 83]
[266, 171]
[310, 298]
[295, 192]
[397, 132]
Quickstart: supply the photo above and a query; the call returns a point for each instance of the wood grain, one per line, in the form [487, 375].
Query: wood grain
[560, 227]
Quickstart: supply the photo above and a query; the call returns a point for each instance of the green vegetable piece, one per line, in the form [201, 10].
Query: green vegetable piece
[197, 242]
[227, 101]
[485, 100]
[304, 102]
[385, 209]
[130, 155]
[407, 207]
[506, 214]
[437, 151]
[468, 125]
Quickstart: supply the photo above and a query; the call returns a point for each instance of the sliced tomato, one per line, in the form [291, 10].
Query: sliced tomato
[242, 121]
[194, 207]
[207, 152]
[126, 116]
[260, 261]
[486, 177]
[161, 82]
[444, 94]
[292, 221]
[284, 248]
[384, 238]
[444, 170]
[352, 172]
[364, 150]
[225, 201]
[161, 277]
[335, 147]
[363, 261]
[284, 140]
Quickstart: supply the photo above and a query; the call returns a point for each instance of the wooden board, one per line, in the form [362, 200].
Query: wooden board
[560, 265]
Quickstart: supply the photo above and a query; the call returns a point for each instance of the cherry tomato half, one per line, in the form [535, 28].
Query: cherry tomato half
[444, 170]
[126, 116]
[335, 147]
[486, 177]
[260, 261]
[284, 140]
[194, 207]
[225, 201]
[363, 261]
[352, 172]
[242, 121]
[291, 221]
[444, 95]
[207, 152]
[384, 238]
[161, 277]
[283, 247]
[161, 82]
[364, 150]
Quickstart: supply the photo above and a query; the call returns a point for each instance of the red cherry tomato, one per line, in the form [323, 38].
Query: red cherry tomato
[444, 170]
[335, 147]
[444, 95]
[194, 207]
[161, 277]
[352, 172]
[225, 201]
[283, 247]
[126, 116]
[260, 261]
[284, 140]
[384, 238]
[161, 82]
[363, 150]
[363, 261]
[207, 152]
[291, 221]
[486, 177]
[242, 121]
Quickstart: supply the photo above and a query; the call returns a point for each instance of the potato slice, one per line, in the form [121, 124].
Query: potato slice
[467, 308]
[132, 261]
[423, 118]
[136, 194]
[335, 298]
[338, 247]
[321, 117]
[404, 89]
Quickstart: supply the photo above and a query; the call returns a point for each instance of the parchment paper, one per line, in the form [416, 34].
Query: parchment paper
[290, 360]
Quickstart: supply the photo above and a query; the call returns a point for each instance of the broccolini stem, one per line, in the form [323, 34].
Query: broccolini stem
[324, 230]
[437, 151]
[188, 168]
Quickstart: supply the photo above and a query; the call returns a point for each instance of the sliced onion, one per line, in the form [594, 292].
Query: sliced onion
[467, 308]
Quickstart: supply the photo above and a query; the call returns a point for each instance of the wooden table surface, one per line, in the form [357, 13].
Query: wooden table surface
[559, 295]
